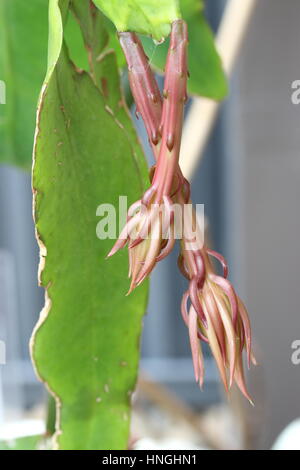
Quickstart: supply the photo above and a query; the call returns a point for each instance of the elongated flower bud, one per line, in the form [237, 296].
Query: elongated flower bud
[155, 218]
[222, 319]
[143, 85]
[211, 309]
[147, 97]
[172, 114]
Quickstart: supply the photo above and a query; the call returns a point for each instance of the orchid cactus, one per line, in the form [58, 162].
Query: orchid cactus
[216, 315]
[85, 345]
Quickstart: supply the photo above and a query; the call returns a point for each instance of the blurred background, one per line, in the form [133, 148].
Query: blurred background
[249, 181]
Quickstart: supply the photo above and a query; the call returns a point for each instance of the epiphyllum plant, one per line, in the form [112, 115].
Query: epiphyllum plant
[216, 315]
[85, 345]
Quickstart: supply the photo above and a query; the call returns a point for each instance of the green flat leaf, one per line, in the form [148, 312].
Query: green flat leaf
[86, 344]
[23, 63]
[207, 77]
[57, 16]
[93, 31]
[104, 71]
[114, 42]
[106, 32]
[103, 66]
[151, 17]
[23, 57]
[75, 43]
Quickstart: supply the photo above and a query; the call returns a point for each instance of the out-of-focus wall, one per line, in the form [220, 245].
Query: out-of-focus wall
[266, 219]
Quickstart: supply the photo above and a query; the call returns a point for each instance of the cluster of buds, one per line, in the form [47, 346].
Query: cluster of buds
[215, 315]
[149, 231]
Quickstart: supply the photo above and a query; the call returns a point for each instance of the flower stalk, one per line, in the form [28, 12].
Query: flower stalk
[211, 309]
[149, 231]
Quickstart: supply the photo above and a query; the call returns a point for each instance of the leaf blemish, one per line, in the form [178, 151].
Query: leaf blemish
[119, 124]
[104, 86]
[109, 110]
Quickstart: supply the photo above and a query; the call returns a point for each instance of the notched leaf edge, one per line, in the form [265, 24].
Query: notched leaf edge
[42, 262]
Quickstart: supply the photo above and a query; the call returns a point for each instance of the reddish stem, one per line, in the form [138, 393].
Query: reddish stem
[175, 96]
[143, 85]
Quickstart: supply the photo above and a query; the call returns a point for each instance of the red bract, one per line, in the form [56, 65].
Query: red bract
[211, 309]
